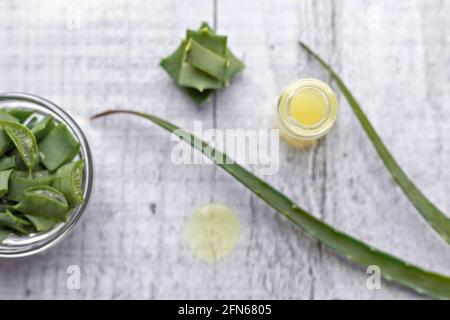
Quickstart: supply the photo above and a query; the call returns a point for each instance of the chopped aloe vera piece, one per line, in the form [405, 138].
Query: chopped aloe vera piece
[19, 181]
[205, 60]
[4, 233]
[234, 67]
[68, 181]
[213, 231]
[21, 114]
[193, 78]
[6, 116]
[58, 147]
[205, 25]
[200, 72]
[5, 141]
[7, 162]
[4, 180]
[172, 64]
[43, 201]
[21, 166]
[24, 141]
[41, 224]
[32, 122]
[198, 96]
[43, 127]
[8, 220]
[209, 40]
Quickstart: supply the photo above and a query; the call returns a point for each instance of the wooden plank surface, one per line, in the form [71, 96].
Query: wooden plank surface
[87, 56]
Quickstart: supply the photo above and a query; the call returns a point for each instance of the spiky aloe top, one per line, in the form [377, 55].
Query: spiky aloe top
[202, 63]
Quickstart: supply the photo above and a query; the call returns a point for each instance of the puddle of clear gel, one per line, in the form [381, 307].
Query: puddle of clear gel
[212, 232]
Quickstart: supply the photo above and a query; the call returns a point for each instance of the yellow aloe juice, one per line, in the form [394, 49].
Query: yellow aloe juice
[306, 111]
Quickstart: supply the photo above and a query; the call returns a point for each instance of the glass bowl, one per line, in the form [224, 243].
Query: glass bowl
[21, 246]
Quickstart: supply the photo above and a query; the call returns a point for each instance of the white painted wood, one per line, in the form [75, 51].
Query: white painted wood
[393, 55]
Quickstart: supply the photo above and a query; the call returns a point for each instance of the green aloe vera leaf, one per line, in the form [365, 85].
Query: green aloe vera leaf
[68, 181]
[21, 166]
[186, 75]
[58, 147]
[205, 25]
[392, 268]
[206, 60]
[190, 71]
[6, 116]
[208, 39]
[19, 181]
[198, 96]
[432, 215]
[4, 181]
[7, 162]
[43, 127]
[5, 141]
[43, 201]
[24, 141]
[41, 224]
[21, 114]
[4, 233]
[193, 78]
[172, 66]
[8, 220]
[31, 123]
[235, 66]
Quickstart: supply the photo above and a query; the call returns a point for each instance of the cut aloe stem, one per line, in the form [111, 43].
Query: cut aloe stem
[392, 268]
[433, 216]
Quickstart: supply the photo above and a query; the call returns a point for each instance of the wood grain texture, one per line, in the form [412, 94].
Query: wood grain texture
[87, 56]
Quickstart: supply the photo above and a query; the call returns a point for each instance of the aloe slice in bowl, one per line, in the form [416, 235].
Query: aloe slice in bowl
[24, 141]
[68, 181]
[43, 201]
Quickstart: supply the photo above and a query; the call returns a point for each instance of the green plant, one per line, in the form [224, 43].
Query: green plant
[433, 216]
[392, 268]
[39, 181]
[202, 63]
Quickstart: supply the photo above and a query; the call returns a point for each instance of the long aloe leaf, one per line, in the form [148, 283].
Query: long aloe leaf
[392, 268]
[433, 216]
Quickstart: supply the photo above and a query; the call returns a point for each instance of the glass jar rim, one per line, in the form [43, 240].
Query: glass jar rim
[294, 127]
[26, 246]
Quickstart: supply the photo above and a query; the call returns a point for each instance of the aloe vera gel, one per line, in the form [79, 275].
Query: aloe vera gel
[212, 232]
[306, 111]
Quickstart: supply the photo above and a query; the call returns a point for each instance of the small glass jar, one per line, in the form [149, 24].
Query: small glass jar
[21, 246]
[317, 123]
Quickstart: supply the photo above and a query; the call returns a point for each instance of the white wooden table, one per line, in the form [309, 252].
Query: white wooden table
[91, 55]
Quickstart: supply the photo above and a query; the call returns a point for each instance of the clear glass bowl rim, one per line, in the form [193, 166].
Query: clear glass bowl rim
[61, 232]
